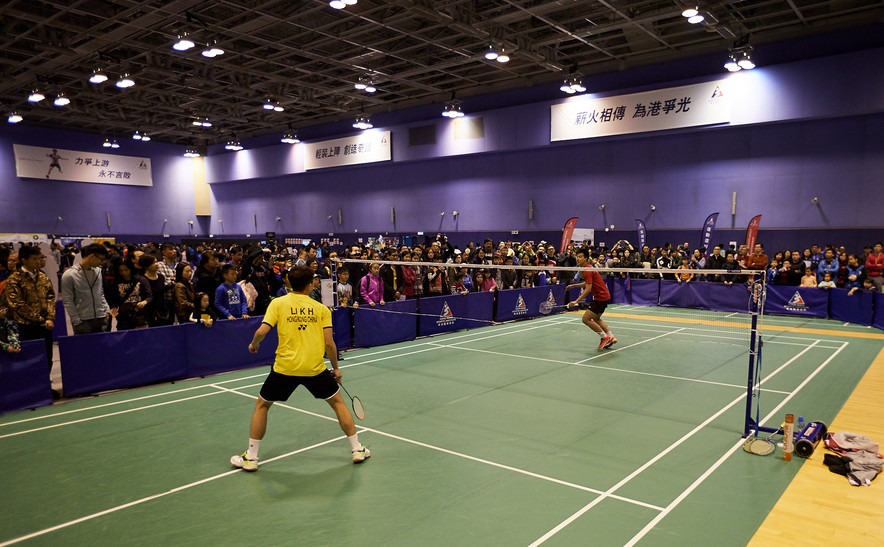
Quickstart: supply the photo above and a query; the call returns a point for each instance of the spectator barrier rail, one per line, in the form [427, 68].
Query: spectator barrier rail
[125, 359]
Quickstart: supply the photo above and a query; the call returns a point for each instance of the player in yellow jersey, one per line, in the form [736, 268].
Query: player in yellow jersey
[304, 327]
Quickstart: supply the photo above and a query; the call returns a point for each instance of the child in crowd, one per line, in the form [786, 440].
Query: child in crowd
[827, 282]
[230, 300]
[203, 312]
[345, 290]
[773, 270]
[809, 279]
[687, 276]
[372, 287]
[286, 286]
[868, 286]
[8, 331]
[316, 293]
[458, 287]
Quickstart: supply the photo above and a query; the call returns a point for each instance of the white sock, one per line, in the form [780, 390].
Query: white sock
[252, 453]
[608, 333]
[354, 441]
[601, 334]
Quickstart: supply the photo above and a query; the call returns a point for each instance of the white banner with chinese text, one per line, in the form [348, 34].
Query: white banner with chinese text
[54, 163]
[674, 107]
[368, 147]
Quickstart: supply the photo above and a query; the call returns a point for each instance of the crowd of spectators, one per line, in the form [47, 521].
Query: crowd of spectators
[162, 284]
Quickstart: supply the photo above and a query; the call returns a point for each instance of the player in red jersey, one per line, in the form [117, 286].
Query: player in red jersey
[593, 283]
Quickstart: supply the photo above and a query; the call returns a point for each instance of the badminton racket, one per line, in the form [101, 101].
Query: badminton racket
[355, 404]
[760, 447]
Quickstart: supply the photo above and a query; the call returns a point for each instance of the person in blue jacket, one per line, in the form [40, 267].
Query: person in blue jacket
[230, 300]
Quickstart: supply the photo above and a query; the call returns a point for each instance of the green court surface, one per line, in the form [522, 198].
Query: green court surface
[514, 434]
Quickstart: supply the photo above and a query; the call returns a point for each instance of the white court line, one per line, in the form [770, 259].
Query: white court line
[53, 415]
[156, 496]
[659, 456]
[459, 454]
[599, 367]
[656, 520]
[72, 422]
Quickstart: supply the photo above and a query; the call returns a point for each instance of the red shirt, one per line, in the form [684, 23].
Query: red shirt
[598, 288]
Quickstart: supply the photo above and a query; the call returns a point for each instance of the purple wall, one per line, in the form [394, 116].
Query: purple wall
[833, 152]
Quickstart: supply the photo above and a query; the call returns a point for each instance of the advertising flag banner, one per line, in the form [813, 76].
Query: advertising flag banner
[367, 147]
[708, 229]
[686, 106]
[752, 232]
[37, 162]
[642, 233]
[567, 232]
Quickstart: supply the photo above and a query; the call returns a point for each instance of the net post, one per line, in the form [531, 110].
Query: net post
[756, 303]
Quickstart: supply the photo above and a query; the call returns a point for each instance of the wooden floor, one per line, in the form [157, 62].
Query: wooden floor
[822, 508]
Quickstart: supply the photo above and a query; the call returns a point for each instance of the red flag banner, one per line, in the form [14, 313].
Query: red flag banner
[567, 232]
[752, 232]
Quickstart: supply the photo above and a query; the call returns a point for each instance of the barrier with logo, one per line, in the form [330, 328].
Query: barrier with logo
[806, 301]
[857, 308]
[342, 327]
[705, 296]
[455, 312]
[225, 346]
[379, 325]
[530, 302]
[130, 358]
[878, 314]
[634, 292]
[24, 378]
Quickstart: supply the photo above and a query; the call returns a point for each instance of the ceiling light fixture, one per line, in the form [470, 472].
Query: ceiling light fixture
[491, 54]
[234, 145]
[573, 84]
[746, 62]
[362, 122]
[145, 137]
[36, 96]
[212, 50]
[98, 77]
[191, 152]
[61, 100]
[693, 15]
[106, 143]
[503, 57]
[183, 43]
[278, 107]
[452, 109]
[202, 122]
[125, 81]
[341, 4]
[114, 144]
[137, 136]
[290, 138]
[740, 59]
[268, 104]
[15, 117]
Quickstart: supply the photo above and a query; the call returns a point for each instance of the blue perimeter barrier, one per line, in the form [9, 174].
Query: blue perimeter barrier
[24, 378]
[125, 359]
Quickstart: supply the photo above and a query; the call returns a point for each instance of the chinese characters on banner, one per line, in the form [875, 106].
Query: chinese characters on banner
[367, 147]
[73, 165]
[685, 106]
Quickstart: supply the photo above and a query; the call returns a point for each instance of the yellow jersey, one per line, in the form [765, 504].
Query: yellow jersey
[300, 322]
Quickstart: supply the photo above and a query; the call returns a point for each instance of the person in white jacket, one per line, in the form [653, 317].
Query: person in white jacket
[82, 292]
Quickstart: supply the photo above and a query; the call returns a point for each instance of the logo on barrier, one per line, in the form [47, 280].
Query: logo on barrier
[548, 305]
[446, 318]
[796, 303]
[521, 308]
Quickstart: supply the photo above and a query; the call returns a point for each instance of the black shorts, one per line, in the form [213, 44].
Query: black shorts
[279, 387]
[598, 306]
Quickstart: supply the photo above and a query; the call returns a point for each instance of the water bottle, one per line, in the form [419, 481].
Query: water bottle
[800, 427]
